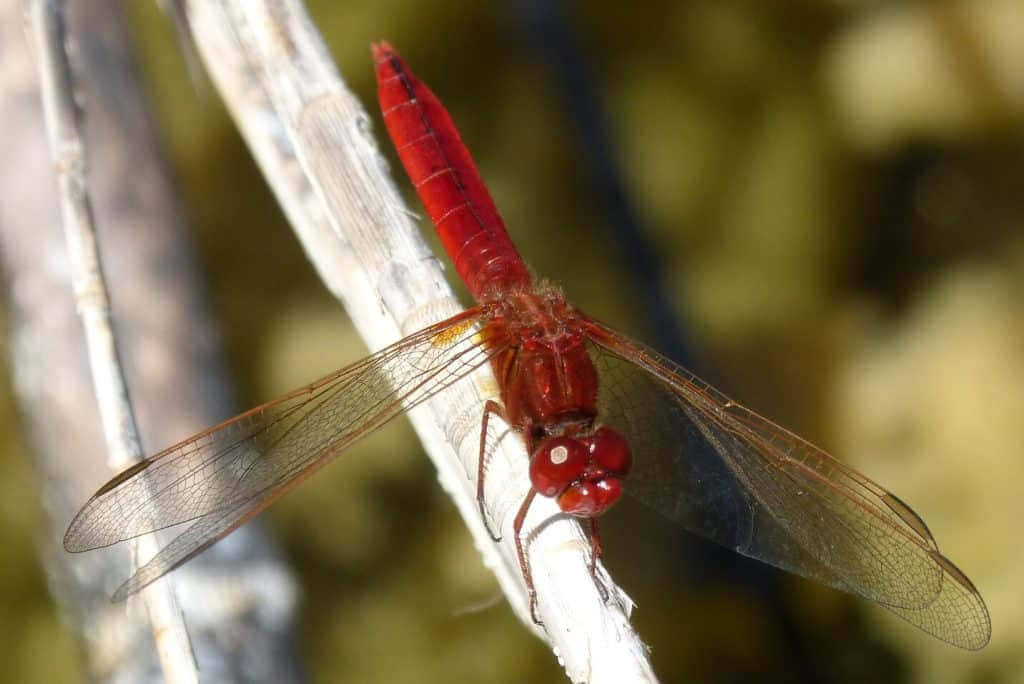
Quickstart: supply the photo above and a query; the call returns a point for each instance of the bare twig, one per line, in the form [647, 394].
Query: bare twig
[238, 597]
[123, 445]
[311, 137]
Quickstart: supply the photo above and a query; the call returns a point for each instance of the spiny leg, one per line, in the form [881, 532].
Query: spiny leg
[481, 465]
[524, 564]
[596, 551]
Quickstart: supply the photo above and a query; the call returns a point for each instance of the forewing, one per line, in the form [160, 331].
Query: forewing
[220, 478]
[726, 473]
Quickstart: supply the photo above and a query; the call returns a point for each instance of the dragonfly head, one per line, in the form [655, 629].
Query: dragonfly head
[585, 473]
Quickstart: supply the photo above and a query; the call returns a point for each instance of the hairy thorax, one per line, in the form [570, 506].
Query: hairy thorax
[548, 381]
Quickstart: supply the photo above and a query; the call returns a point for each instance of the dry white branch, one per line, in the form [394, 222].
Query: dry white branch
[312, 139]
[47, 26]
[169, 348]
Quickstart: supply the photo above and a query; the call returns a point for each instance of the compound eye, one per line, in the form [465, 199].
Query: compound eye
[556, 464]
[610, 450]
[590, 499]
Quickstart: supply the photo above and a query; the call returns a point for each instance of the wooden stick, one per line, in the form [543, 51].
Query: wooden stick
[47, 26]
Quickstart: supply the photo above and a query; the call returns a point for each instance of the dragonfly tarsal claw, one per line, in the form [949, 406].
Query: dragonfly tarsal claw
[495, 537]
[533, 609]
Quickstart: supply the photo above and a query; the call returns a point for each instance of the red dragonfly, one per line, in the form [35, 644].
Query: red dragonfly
[590, 404]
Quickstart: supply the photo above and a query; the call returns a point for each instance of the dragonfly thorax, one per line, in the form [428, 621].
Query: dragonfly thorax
[547, 373]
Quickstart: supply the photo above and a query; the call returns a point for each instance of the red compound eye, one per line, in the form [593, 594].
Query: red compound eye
[610, 450]
[557, 463]
[590, 499]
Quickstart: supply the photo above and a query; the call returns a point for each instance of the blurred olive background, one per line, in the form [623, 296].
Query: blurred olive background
[833, 191]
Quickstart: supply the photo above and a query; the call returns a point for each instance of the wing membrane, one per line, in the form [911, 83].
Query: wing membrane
[220, 478]
[745, 483]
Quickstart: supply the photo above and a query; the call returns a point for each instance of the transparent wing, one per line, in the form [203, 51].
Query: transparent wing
[726, 473]
[222, 477]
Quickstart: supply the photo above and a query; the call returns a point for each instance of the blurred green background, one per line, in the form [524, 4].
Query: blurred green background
[834, 192]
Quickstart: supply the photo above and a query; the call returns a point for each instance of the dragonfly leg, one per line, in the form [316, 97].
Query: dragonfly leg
[498, 410]
[596, 551]
[524, 564]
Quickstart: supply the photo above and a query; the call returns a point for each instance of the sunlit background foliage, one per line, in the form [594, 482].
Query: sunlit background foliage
[834, 192]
